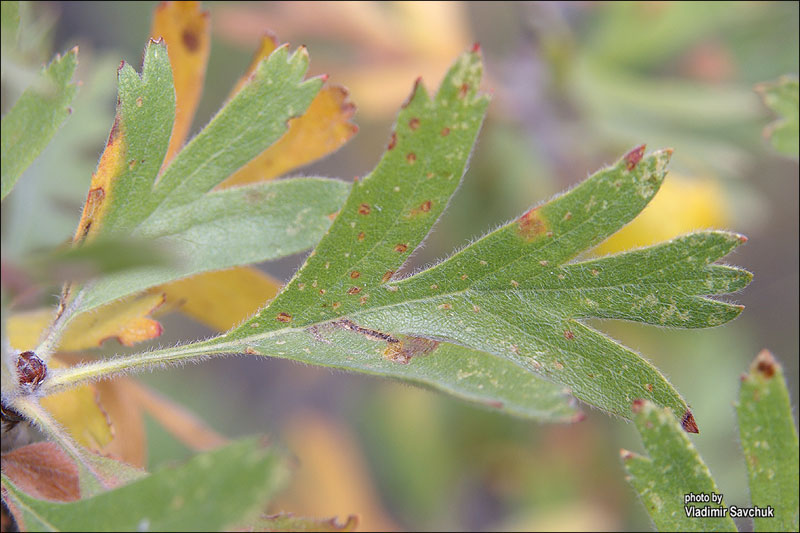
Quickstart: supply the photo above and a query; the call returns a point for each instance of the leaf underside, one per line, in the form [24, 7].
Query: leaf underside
[505, 314]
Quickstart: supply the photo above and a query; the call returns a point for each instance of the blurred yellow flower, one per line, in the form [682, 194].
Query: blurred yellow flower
[682, 205]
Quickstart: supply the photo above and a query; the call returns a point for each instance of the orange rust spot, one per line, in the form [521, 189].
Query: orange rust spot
[445, 132]
[353, 290]
[139, 102]
[567, 215]
[445, 306]
[283, 317]
[464, 276]
[392, 141]
[688, 423]
[322, 291]
[633, 157]
[363, 299]
[568, 335]
[400, 247]
[531, 225]
[364, 209]
[190, 40]
[332, 216]
[595, 272]
[250, 351]
[413, 123]
[387, 276]
[514, 283]
[354, 274]
[462, 91]
[336, 305]
[424, 207]
[361, 236]
[411, 157]
[649, 387]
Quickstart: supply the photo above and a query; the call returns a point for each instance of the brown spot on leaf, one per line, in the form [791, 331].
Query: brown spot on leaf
[445, 306]
[497, 404]
[336, 305]
[392, 141]
[424, 207]
[649, 387]
[445, 132]
[595, 272]
[531, 225]
[403, 351]
[476, 309]
[413, 123]
[688, 423]
[463, 90]
[353, 290]
[250, 351]
[633, 157]
[387, 276]
[765, 364]
[567, 215]
[514, 283]
[322, 291]
[637, 405]
[464, 276]
[364, 209]
[190, 40]
[363, 299]
[400, 247]
[354, 274]
[139, 102]
[361, 236]
[131, 164]
[332, 216]
[411, 157]
[625, 455]
[283, 317]
[568, 335]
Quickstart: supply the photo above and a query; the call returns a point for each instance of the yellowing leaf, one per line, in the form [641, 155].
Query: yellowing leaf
[186, 30]
[125, 320]
[79, 411]
[109, 167]
[332, 477]
[320, 131]
[682, 205]
[223, 298]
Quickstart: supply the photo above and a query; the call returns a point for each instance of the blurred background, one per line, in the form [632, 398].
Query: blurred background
[574, 85]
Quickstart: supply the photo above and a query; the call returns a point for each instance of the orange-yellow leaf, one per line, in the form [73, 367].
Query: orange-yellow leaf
[125, 320]
[186, 30]
[79, 411]
[681, 205]
[177, 420]
[332, 477]
[129, 441]
[221, 299]
[323, 128]
[109, 167]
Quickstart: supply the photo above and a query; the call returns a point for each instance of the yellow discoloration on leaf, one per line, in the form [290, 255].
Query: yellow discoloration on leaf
[221, 299]
[187, 33]
[323, 128]
[111, 164]
[125, 320]
[78, 410]
[681, 205]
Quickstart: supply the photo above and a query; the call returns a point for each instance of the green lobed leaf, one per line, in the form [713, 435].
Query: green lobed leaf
[782, 97]
[769, 442]
[672, 470]
[35, 117]
[208, 229]
[211, 491]
[512, 294]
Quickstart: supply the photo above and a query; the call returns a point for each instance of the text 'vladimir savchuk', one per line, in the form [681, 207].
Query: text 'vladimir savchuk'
[715, 509]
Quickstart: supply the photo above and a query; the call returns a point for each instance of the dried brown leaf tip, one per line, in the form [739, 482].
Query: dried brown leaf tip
[688, 423]
[765, 365]
[633, 157]
[31, 370]
[531, 225]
